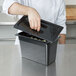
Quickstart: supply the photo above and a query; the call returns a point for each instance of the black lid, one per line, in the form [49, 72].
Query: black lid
[48, 31]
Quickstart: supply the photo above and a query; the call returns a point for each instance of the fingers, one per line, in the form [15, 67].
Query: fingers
[35, 24]
[31, 24]
[39, 26]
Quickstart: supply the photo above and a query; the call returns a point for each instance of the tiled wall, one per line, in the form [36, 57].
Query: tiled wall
[1, 2]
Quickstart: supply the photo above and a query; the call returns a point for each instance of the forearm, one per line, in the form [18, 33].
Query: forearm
[33, 15]
[62, 39]
[18, 9]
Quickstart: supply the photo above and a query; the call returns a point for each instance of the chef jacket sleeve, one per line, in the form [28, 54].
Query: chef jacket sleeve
[61, 19]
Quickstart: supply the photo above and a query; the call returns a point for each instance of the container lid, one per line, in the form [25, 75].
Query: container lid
[48, 31]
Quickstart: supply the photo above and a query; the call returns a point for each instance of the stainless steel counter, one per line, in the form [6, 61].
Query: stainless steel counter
[11, 63]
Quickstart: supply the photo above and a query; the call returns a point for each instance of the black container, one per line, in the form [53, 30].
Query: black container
[38, 47]
[36, 50]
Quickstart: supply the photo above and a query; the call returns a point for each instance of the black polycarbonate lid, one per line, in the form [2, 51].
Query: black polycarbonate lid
[48, 31]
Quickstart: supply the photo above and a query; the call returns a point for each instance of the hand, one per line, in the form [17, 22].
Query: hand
[62, 40]
[34, 19]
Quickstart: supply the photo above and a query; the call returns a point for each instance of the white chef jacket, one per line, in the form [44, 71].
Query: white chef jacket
[49, 10]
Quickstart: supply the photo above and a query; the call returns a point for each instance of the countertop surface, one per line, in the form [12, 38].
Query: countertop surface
[11, 63]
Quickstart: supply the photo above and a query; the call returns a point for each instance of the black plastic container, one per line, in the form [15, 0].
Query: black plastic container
[38, 47]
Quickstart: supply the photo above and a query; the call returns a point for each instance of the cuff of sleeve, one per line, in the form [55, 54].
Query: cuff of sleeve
[63, 31]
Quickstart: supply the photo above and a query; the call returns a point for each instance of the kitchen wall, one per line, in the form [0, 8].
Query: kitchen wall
[1, 2]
